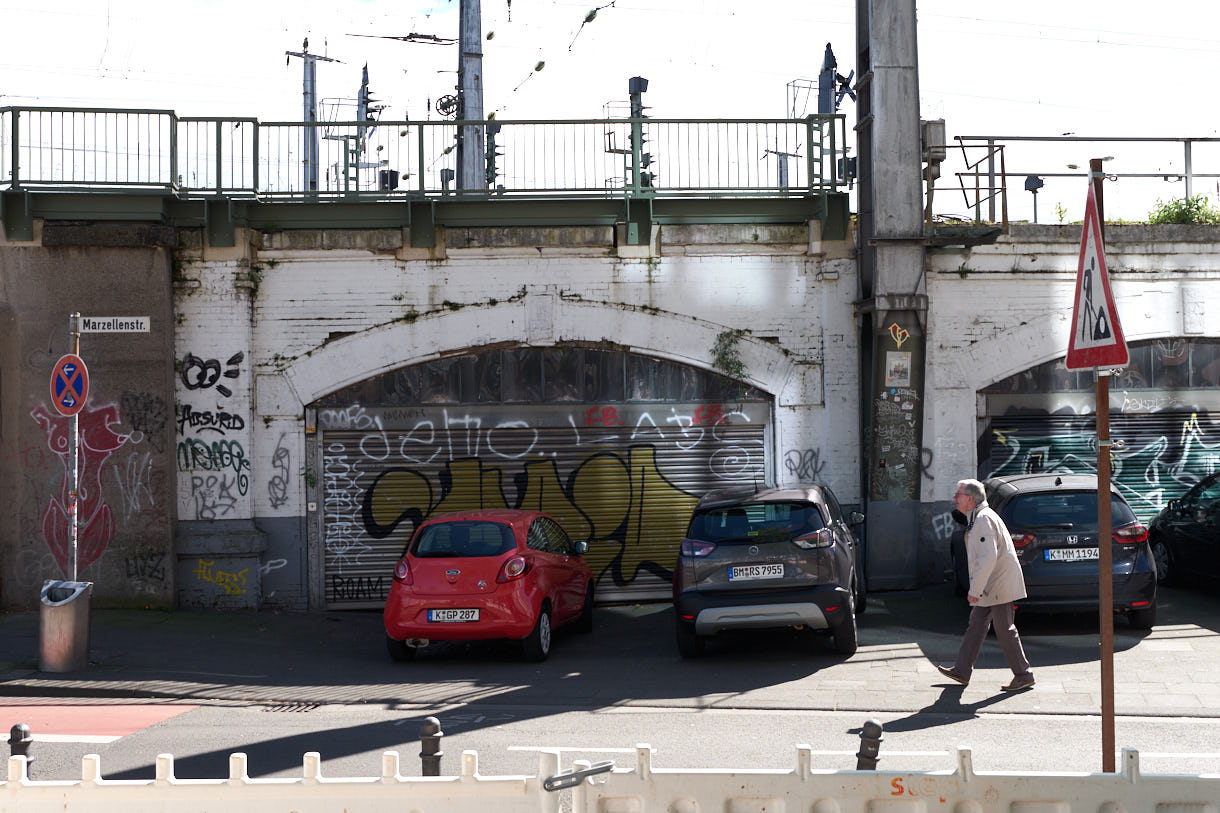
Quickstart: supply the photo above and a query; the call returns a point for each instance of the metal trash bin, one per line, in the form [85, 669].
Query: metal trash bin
[63, 626]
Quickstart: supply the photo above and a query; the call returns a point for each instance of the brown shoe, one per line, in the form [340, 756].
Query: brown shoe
[1019, 683]
[953, 674]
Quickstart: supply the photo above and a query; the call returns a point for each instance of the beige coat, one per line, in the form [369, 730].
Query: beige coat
[995, 572]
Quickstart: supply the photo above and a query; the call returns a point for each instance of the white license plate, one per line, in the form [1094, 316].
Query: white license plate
[453, 615]
[752, 572]
[1071, 554]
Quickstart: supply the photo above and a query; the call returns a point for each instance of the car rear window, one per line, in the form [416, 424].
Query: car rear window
[463, 538]
[1062, 510]
[754, 522]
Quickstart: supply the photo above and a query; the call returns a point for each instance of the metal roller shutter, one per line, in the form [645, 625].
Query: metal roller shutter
[627, 489]
[1156, 456]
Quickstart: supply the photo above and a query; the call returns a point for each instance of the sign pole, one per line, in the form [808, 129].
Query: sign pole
[1105, 569]
[74, 443]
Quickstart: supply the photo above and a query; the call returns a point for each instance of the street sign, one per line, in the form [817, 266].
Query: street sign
[114, 324]
[69, 384]
[1097, 338]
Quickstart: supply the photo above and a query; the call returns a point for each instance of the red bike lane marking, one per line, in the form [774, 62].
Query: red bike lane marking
[103, 721]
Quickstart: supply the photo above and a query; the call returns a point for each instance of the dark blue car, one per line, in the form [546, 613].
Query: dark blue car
[1053, 521]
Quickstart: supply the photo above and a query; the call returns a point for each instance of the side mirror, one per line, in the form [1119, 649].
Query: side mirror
[582, 547]
[856, 518]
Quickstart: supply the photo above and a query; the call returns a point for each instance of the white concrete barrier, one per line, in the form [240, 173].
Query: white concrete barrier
[637, 789]
[310, 793]
[643, 789]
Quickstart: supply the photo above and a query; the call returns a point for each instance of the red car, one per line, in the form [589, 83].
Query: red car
[496, 573]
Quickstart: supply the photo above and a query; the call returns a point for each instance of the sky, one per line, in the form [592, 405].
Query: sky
[989, 68]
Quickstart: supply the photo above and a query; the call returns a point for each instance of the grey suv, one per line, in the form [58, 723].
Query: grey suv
[780, 557]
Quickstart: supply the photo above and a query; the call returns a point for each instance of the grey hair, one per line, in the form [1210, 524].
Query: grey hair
[974, 490]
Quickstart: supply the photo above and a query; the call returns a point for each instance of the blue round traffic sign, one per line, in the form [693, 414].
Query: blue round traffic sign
[69, 384]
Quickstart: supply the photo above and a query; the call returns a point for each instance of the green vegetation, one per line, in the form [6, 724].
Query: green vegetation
[726, 357]
[1194, 209]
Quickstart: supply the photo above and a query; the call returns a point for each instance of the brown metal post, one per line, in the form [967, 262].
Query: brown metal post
[1105, 560]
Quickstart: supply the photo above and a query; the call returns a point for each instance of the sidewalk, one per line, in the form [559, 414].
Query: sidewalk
[630, 660]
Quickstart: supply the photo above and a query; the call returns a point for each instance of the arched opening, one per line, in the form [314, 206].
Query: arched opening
[1164, 421]
[618, 446]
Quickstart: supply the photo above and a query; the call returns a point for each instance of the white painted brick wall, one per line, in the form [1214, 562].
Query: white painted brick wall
[997, 310]
[672, 307]
[215, 456]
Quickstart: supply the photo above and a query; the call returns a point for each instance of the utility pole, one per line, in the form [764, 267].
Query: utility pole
[471, 172]
[309, 90]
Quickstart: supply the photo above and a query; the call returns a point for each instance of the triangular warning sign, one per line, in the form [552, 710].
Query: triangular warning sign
[1097, 338]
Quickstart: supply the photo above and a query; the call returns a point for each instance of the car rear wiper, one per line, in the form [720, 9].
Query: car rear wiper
[1062, 526]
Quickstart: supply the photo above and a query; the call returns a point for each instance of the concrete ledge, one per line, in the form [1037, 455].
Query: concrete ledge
[1128, 233]
[110, 235]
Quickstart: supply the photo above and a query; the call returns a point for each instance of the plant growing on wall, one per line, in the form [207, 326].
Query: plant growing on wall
[726, 357]
[1195, 209]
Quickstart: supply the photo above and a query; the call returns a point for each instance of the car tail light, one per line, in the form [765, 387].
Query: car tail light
[402, 572]
[818, 539]
[514, 568]
[693, 547]
[1130, 534]
[1021, 540]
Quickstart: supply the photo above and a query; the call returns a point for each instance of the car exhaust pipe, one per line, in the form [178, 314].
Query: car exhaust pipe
[417, 643]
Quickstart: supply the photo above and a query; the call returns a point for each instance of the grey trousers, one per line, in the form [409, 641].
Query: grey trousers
[1001, 616]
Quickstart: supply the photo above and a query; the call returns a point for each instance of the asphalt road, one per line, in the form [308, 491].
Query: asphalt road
[276, 686]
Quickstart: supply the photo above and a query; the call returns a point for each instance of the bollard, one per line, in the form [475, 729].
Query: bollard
[430, 752]
[870, 745]
[19, 741]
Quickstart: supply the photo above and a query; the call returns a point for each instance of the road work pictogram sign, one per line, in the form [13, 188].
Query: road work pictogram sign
[1097, 338]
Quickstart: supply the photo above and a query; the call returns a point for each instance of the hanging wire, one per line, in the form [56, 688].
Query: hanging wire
[590, 17]
[539, 66]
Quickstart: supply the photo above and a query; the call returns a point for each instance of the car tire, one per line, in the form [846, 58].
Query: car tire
[1144, 619]
[690, 643]
[584, 622]
[1164, 562]
[537, 645]
[861, 597]
[844, 634]
[399, 651]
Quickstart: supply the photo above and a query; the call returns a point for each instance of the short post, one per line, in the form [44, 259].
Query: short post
[19, 740]
[870, 745]
[430, 752]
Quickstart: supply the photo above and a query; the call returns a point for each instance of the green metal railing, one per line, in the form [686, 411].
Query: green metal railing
[108, 149]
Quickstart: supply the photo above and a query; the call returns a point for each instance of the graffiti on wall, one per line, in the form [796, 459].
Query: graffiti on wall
[212, 459]
[804, 465]
[201, 374]
[208, 420]
[1155, 458]
[277, 486]
[95, 519]
[609, 487]
[147, 415]
[233, 583]
[894, 435]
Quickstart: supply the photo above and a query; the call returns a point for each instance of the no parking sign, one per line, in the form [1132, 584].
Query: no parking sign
[69, 384]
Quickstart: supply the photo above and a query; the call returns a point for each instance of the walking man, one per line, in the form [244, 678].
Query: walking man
[996, 582]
